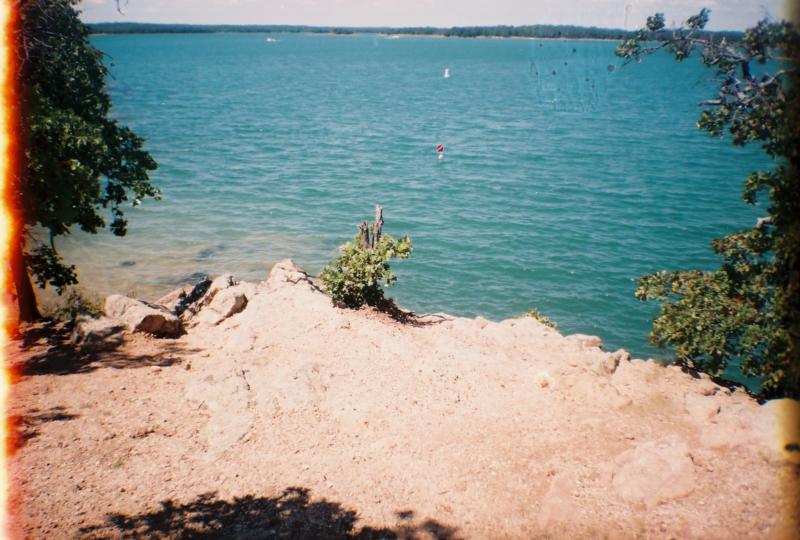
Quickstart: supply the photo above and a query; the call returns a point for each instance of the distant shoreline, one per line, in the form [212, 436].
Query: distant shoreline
[550, 32]
[386, 36]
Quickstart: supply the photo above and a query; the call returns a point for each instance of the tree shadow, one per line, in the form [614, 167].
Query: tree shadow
[387, 306]
[687, 367]
[291, 515]
[24, 427]
[50, 351]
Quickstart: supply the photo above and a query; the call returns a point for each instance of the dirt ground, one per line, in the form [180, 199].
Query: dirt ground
[295, 419]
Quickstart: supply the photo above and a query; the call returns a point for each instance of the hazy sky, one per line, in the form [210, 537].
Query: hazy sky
[725, 14]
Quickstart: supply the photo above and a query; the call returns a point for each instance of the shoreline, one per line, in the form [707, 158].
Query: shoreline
[363, 34]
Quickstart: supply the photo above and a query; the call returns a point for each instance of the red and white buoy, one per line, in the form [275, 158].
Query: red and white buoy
[440, 151]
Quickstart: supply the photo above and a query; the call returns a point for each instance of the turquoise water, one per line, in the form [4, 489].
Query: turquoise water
[565, 175]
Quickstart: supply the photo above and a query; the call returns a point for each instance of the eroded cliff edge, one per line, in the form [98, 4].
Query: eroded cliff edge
[436, 425]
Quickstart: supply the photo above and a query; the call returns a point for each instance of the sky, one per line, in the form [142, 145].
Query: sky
[629, 14]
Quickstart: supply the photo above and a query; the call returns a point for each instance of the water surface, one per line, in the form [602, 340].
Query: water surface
[565, 175]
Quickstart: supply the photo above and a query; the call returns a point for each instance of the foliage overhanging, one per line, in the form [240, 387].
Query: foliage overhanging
[746, 310]
[78, 161]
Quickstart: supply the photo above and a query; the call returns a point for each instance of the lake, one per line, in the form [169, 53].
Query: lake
[565, 174]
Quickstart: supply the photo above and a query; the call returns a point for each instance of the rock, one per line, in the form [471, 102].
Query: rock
[609, 363]
[179, 300]
[286, 272]
[228, 302]
[142, 317]
[172, 301]
[545, 380]
[655, 472]
[701, 407]
[198, 291]
[621, 355]
[585, 342]
[225, 303]
[220, 283]
[203, 294]
[96, 334]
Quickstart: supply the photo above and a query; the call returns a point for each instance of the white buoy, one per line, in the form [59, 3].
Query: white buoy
[446, 73]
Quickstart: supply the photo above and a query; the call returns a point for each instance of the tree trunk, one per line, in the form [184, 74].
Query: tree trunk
[378, 226]
[26, 299]
[364, 234]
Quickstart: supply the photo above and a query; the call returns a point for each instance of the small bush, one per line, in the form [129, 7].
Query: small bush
[76, 303]
[536, 314]
[356, 277]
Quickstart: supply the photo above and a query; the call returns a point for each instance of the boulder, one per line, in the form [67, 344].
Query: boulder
[225, 303]
[96, 334]
[202, 295]
[609, 363]
[286, 272]
[181, 299]
[172, 301]
[139, 316]
[655, 472]
[220, 283]
[585, 342]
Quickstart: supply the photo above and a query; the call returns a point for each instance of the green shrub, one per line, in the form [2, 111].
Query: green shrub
[536, 314]
[356, 276]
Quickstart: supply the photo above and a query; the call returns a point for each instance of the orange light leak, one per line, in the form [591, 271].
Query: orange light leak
[6, 170]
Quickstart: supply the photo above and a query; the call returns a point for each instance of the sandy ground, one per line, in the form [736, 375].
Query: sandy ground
[295, 419]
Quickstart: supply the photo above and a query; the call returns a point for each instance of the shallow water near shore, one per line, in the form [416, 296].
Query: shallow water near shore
[565, 175]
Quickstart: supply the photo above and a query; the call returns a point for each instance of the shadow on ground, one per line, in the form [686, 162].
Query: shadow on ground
[291, 515]
[388, 307]
[46, 348]
[22, 428]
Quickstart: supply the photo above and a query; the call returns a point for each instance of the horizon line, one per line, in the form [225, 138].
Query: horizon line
[379, 27]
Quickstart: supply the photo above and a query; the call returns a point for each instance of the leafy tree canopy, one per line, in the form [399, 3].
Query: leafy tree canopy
[80, 166]
[746, 310]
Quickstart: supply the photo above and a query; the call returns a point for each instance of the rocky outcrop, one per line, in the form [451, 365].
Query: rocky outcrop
[585, 342]
[225, 303]
[209, 302]
[179, 300]
[286, 272]
[139, 316]
[505, 428]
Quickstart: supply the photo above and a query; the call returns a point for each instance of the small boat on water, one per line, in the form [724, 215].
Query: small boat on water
[271, 40]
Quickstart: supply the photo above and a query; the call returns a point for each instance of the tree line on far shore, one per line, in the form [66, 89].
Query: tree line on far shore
[544, 31]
